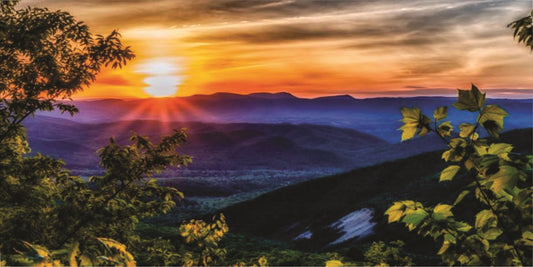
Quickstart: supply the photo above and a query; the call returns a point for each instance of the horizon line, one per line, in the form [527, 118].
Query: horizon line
[516, 94]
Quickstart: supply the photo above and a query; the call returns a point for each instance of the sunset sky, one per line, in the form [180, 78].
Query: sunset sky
[308, 47]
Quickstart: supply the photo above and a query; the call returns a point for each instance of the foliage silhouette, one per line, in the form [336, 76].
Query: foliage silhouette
[523, 30]
[50, 217]
[382, 254]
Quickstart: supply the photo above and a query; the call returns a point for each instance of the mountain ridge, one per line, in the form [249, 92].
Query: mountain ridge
[376, 116]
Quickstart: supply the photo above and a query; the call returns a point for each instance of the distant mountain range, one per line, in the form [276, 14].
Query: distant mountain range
[235, 159]
[231, 146]
[376, 116]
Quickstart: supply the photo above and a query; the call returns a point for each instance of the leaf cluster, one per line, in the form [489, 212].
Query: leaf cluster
[198, 244]
[500, 233]
[383, 254]
[43, 204]
[105, 252]
[523, 30]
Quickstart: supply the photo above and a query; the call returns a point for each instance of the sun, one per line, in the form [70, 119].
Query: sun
[162, 78]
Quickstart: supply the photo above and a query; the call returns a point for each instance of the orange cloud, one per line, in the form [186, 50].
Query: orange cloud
[312, 48]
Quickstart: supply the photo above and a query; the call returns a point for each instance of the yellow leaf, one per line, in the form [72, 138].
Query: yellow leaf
[395, 215]
[491, 118]
[334, 263]
[448, 173]
[410, 115]
[74, 251]
[445, 246]
[443, 210]
[465, 129]
[463, 259]
[481, 149]
[12, 180]
[408, 131]
[499, 148]
[263, 261]
[505, 178]
[445, 129]
[86, 261]
[112, 244]
[396, 207]
[440, 113]
[502, 150]
[485, 217]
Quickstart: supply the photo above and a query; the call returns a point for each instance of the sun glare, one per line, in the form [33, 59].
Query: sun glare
[162, 76]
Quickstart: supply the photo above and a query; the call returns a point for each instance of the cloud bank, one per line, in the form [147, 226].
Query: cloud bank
[314, 47]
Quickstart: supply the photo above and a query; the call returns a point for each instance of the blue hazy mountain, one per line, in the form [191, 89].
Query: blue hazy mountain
[376, 116]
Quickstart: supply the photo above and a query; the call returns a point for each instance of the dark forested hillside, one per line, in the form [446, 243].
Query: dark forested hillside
[314, 206]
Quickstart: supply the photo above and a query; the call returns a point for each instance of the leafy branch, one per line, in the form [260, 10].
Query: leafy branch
[502, 234]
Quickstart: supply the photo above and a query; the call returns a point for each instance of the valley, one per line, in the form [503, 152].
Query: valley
[237, 161]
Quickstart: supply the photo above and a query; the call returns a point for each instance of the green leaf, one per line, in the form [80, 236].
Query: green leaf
[414, 218]
[484, 217]
[448, 173]
[440, 113]
[461, 196]
[441, 212]
[491, 118]
[471, 100]
[522, 197]
[445, 129]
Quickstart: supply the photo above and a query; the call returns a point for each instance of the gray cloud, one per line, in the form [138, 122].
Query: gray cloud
[435, 24]
[414, 20]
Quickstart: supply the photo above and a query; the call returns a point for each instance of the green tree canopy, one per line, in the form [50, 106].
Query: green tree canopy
[45, 57]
